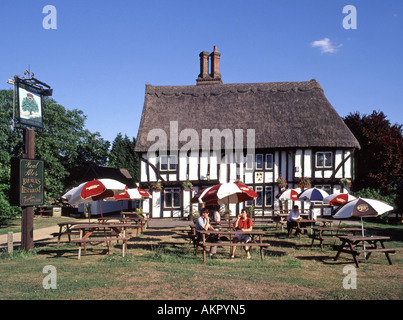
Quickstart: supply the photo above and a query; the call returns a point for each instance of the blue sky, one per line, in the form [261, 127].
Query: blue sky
[103, 53]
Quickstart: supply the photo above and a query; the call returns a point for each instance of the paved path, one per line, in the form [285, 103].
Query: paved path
[46, 233]
[39, 234]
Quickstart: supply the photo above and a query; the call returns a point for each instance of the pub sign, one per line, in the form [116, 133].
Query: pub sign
[27, 182]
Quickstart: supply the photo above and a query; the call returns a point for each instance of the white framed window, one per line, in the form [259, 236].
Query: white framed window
[269, 161]
[172, 198]
[259, 161]
[324, 159]
[168, 162]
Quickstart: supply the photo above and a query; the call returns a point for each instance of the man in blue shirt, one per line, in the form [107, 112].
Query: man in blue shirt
[203, 223]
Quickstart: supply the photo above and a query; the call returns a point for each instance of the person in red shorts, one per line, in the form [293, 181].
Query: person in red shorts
[243, 223]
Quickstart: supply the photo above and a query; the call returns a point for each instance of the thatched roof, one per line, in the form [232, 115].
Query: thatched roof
[283, 114]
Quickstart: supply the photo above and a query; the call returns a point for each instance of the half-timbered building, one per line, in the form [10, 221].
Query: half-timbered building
[214, 132]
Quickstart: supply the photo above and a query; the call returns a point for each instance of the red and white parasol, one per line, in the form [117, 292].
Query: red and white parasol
[289, 194]
[338, 199]
[225, 193]
[93, 191]
[132, 194]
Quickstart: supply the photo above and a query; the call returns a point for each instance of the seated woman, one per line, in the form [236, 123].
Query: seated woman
[243, 223]
[292, 221]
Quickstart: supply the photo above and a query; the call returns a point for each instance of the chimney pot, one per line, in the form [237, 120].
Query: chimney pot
[214, 77]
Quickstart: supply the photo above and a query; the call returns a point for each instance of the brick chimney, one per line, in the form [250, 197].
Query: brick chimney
[215, 76]
[215, 65]
[204, 65]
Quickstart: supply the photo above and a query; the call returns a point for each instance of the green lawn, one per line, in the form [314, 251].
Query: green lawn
[160, 265]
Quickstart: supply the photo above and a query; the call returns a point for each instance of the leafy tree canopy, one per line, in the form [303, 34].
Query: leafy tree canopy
[122, 155]
[380, 159]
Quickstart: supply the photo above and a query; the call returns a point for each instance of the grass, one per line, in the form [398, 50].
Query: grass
[160, 265]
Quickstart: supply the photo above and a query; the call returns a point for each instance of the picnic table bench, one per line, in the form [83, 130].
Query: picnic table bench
[137, 223]
[65, 229]
[221, 233]
[319, 233]
[281, 219]
[134, 215]
[44, 211]
[351, 243]
[110, 232]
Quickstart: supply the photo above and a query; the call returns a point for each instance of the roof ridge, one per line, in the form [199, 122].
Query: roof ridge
[221, 89]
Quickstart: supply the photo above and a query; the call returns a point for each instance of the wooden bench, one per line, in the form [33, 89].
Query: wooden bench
[318, 233]
[350, 243]
[253, 243]
[65, 229]
[100, 233]
[137, 223]
[106, 239]
[48, 211]
[232, 244]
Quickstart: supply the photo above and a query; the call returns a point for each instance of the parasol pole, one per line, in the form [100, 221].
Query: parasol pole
[100, 209]
[363, 242]
[229, 215]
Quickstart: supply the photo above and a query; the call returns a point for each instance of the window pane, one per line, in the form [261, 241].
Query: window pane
[268, 196]
[319, 159]
[176, 196]
[163, 162]
[173, 160]
[168, 198]
[328, 159]
[250, 202]
[259, 199]
[269, 161]
[249, 161]
[259, 161]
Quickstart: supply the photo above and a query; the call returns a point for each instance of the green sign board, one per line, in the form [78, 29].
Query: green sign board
[30, 182]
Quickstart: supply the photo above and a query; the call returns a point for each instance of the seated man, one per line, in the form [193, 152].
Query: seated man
[292, 221]
[203, 223]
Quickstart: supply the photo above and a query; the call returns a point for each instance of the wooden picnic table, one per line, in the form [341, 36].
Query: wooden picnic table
[326, 222]
[65, 229]
[281, 219]
[130, 214]
[91, 232]
[138, 223]
[44, 210]
[354, 245]
[319, 233]
[226, 234]
[305, 224]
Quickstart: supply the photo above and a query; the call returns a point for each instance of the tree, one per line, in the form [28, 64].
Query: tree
[64, 144]
[10, 145]
[92, 149]
[122, 155]
[380, 159]
[67, 147]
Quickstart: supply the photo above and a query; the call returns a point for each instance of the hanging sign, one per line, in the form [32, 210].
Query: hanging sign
[28, 182]
[29, 104]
